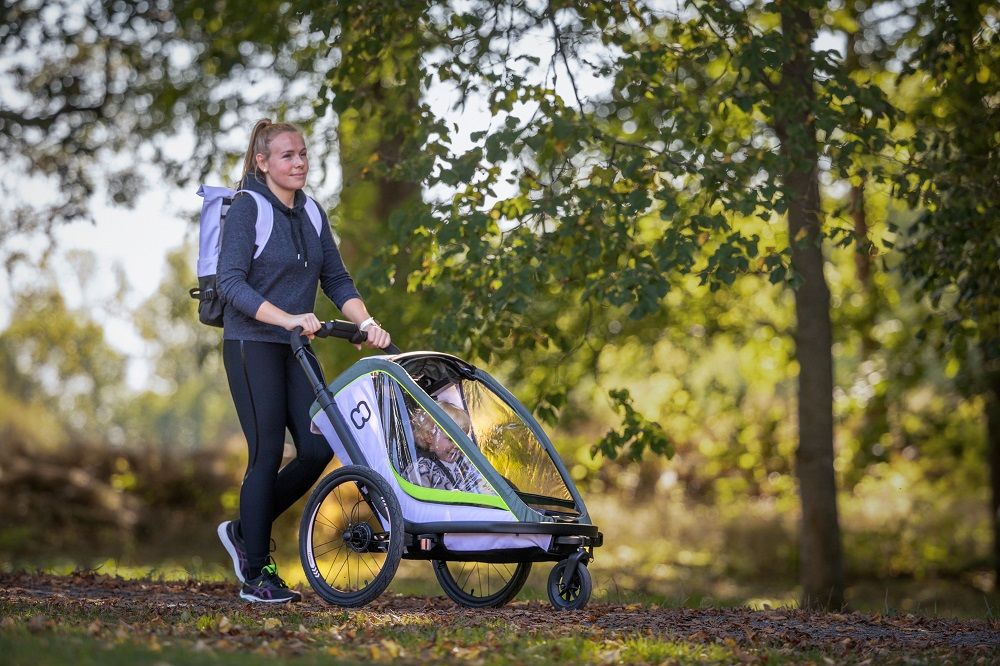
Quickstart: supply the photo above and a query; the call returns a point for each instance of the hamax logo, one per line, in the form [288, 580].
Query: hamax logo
[361, 415]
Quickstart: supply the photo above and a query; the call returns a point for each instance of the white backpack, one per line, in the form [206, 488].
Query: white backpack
[213, 217]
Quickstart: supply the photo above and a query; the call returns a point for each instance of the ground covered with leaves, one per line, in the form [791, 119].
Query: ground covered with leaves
[91, 618]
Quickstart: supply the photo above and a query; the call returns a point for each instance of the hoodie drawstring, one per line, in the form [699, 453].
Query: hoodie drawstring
[297, 238]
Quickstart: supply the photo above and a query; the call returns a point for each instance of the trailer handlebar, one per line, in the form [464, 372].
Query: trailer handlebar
[338, 329]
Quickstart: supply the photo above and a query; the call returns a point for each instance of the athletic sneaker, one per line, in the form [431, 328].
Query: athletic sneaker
[233, 543]
[268, 588]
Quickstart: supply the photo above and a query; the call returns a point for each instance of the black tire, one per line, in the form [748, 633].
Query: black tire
[342, 530]
[573, 594]
[481, 584]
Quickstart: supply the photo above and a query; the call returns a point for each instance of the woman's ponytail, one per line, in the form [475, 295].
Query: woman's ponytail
[260, 143]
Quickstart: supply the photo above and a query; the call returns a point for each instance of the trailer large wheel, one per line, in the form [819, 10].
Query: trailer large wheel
[481, 584]
[351, 536]
[569, 594]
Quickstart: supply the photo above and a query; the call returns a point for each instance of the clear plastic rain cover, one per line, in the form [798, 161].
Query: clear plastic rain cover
[431, 473]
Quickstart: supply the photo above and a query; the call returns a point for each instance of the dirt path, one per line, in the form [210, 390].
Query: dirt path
[46, 601]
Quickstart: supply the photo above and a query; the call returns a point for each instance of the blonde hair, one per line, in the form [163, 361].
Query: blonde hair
[424, 426]
[261, 135]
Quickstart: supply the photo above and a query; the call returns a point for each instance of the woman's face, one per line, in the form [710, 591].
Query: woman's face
[287, 165]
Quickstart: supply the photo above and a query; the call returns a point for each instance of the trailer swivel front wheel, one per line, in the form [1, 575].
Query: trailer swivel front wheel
[572, 594]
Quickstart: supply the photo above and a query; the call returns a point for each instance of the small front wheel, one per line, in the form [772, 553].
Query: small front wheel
[351, 536]
[569, 594]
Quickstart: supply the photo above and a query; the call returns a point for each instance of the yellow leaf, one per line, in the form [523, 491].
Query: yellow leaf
[224, 625]
[393, 648]
[271, 623]
[466, 653]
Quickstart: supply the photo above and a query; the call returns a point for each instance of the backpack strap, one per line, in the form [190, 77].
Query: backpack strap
[211, 229]
[312, 210]
[265, 220]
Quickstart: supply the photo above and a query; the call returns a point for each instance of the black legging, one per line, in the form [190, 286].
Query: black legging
[271, 393]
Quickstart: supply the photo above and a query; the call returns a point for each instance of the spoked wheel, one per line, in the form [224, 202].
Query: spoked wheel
[569, 594]
[481, 584]
[351, 536]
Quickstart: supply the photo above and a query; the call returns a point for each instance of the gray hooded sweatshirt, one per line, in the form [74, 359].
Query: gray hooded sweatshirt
[287, 272]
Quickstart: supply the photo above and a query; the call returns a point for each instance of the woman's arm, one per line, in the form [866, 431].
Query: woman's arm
[272, 314]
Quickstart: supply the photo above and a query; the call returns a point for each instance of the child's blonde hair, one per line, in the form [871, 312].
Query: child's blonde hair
[424, 426]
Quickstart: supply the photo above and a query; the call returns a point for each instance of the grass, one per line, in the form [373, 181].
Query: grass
[77, 641]
[89, 619]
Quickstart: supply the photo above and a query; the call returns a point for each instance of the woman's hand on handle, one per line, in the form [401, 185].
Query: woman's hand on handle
[356, 311]
[378, 337]
[307, 321]
[271, 314]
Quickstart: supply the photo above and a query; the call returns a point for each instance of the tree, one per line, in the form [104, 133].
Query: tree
[795, 103]
[379, 110]
[599, 201]
[580, 206]
[952, 251]
[188, 406]
[58, 357]
[94, 89]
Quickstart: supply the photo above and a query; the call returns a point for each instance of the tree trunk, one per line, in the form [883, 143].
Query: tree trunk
[992, 364]
[862, 258]
[370, 200]
[821, 569]
[972, 139]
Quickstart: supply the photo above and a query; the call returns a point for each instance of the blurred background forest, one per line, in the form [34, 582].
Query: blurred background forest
[661, 224]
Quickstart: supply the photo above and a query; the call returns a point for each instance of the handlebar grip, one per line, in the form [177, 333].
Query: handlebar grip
[344, 330]
[341, 329]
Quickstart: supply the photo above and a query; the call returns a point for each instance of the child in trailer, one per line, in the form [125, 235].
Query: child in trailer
[440, 463]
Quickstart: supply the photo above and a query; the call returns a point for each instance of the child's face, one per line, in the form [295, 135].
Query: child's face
[442, 446]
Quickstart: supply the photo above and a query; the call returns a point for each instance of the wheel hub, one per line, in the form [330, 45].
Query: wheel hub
[359, 537]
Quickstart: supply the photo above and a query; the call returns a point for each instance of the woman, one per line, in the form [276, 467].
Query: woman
[267, 296]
